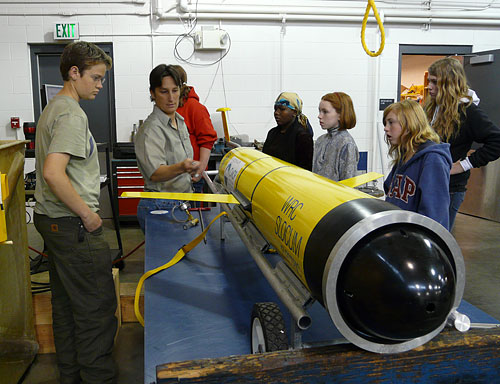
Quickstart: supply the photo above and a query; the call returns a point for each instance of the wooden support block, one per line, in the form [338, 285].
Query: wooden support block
[45, 338]
[118, 313]
[42, 309]
[451, 357]
[127, 303]
[127, 291]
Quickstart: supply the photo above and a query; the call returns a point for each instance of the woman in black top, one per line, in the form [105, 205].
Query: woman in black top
[291, 140]
[459, 122]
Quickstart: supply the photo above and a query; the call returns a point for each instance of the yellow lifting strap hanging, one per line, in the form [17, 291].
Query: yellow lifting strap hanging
[178, 257]
[371, 4]
[206, 197]
[361, 179]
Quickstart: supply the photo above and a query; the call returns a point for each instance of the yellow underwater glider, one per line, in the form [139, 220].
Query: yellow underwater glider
[360, 257]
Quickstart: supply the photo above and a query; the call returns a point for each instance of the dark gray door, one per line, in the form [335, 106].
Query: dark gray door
[100, 112]
[483, 189]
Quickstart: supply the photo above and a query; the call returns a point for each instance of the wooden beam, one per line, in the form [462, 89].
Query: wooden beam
[450, 357]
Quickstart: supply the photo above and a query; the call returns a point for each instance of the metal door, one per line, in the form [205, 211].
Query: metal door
[483, 189]
[100, 112]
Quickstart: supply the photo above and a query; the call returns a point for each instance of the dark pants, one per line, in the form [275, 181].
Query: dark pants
[83, 299]
[456, 200]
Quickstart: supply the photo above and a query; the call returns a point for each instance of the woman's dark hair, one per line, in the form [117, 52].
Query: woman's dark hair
[159, 72]
[83, 55]
[185, 89]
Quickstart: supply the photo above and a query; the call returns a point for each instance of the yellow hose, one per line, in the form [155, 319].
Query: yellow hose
[178, 257]
[371, 4]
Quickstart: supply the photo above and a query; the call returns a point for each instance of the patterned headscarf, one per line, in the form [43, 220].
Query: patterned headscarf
[294, 102]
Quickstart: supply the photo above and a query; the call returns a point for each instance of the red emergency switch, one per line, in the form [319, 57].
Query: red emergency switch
[14, 122]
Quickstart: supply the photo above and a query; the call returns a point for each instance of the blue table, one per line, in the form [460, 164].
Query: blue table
[201, 307]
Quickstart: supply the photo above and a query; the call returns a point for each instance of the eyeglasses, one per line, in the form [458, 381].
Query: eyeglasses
[97, 78]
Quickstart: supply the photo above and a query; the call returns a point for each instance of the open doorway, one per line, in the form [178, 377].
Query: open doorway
[414, 76]
[413, 63]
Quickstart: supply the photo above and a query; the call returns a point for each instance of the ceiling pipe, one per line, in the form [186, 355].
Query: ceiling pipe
[290, 9]
[333, 18]
[238, 6]
[263, 17]
[73, 13]
[302, 11]
[73, 1]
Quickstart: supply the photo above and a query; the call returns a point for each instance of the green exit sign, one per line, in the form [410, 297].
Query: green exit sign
[66, 31]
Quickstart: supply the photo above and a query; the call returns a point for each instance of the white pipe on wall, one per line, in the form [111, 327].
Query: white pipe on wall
[328, 18]
[325, 14]
[376, 94]
[155, 34]
[282, 54]
[289, 9]
[299, 7]
[292, 10]
[72, 1]
[264, 17]
[362, 3]
[331, 13]
[439, 21]
[72, 13]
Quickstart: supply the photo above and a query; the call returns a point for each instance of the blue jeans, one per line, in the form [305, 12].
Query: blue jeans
[147, 205]
[456, 199]
[198, 188]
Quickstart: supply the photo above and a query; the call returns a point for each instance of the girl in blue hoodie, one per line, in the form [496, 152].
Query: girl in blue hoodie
[420, 175]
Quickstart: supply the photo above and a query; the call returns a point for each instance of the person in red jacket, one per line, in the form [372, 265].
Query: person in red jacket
[201, 130]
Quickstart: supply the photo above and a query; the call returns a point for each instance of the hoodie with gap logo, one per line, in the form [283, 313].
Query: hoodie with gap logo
[422, 183]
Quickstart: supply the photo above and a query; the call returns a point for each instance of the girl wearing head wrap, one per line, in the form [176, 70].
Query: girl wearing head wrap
[291, 140]
[459, 122]
[336, 155]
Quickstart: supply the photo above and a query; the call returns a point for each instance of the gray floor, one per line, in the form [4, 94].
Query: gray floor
[479, 240]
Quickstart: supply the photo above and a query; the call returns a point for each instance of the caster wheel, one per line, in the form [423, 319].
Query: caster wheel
[268, 328]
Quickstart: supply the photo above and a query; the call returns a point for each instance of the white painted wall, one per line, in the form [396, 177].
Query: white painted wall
[413, 69]
[310, 58]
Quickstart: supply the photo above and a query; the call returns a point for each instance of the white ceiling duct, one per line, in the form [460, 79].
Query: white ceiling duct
[328, 12]
[72, 1]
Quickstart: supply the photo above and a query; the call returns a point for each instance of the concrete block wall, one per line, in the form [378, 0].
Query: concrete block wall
[310, 58]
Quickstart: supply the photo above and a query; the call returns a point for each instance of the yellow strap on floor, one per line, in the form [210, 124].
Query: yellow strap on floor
[207, 197]
[371, 4]
[178, 257]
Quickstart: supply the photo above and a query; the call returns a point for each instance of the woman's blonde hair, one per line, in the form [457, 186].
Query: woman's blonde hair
[452, 87]
[415, 130]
